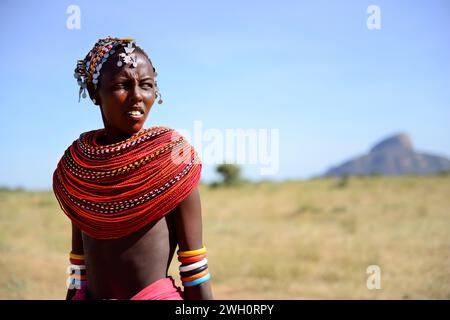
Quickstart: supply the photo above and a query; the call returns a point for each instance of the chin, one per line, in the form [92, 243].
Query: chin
[130, 130]
[136, 128]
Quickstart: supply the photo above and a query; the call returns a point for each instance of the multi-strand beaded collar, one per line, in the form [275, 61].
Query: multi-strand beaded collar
[113, 190]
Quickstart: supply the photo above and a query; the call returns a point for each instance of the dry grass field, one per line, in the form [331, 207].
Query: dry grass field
[289, 240]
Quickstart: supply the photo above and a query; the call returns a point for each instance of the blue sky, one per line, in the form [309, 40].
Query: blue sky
[311, 69]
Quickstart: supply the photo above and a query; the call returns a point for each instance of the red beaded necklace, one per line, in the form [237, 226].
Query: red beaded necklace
[113, 190]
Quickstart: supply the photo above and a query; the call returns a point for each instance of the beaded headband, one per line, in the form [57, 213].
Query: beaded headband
[88, 70]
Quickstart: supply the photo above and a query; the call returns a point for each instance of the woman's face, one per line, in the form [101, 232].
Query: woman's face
[125, 95]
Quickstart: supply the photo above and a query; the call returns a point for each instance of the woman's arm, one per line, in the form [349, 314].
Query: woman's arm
[77, 248]
[188, 222]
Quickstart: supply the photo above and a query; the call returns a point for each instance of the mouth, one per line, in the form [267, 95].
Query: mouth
[135, 113]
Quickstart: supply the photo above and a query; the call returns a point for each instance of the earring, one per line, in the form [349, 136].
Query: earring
[94, 101]
[158, 95]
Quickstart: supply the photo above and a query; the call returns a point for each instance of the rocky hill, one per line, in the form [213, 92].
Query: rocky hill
[392, 156]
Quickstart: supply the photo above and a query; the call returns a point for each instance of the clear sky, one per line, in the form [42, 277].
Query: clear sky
[311, 69]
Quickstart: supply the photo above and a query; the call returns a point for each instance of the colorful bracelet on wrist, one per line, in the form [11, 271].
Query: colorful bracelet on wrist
[187, 260]
[194, 267]
[192, 272]
[76, 256]
[191, 253]
[77, 271]
[197, 282]
[195, 276]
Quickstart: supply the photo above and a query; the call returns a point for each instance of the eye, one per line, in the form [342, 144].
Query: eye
[119, 85]
[147, 85]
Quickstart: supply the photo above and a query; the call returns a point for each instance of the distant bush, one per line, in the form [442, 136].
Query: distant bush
[343, 181]
[231, 175]
[376, 175]
[9, 189]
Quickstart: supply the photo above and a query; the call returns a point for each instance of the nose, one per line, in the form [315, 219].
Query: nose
[136, 94]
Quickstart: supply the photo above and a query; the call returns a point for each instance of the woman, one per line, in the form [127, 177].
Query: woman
[130, 192]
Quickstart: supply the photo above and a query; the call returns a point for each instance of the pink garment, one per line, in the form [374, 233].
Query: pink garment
[162, 289]
[81, 293]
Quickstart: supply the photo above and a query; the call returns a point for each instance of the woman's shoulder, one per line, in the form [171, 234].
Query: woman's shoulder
[174, 133]
[160, 127]
[180, 138]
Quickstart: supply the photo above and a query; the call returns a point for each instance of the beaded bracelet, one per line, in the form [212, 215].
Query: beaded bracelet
[75, 283]
[197, 281]
[79, 277]
[187, 260]
[76, 262]
[76, 256]
[74, 267]
[189, 267]
[194, 268]
[195, 276]
[76, 271]
[191, 253]
[190, 273]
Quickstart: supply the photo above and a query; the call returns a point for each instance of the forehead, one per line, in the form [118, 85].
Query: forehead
[111, 71]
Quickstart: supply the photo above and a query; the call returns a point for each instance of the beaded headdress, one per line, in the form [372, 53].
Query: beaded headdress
[88, 70]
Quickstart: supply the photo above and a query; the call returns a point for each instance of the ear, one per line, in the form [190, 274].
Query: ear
[93, 94]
